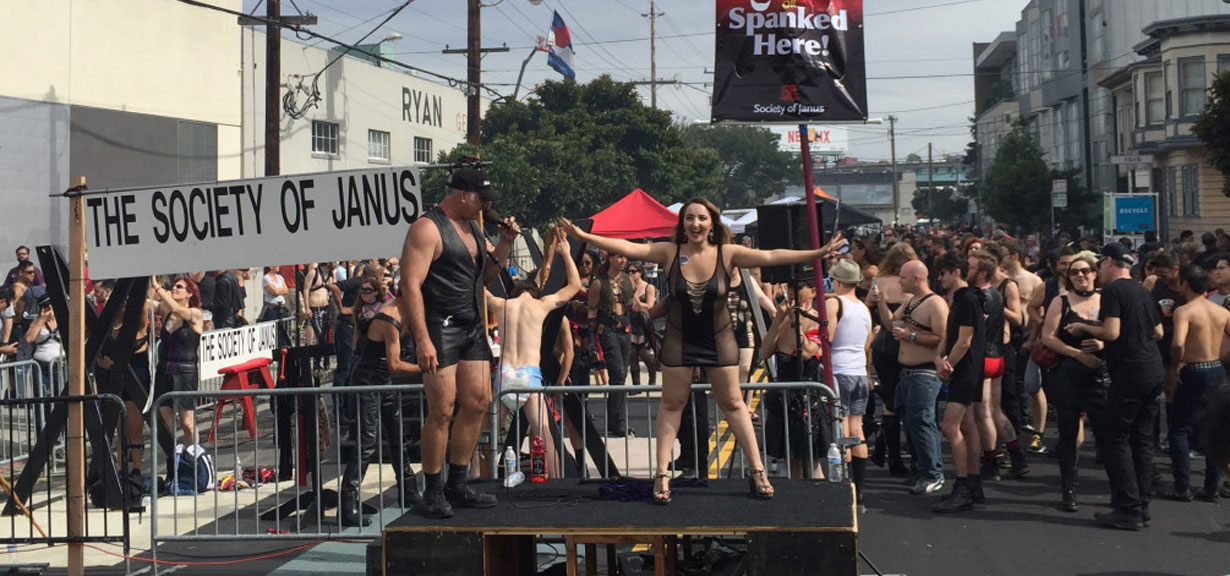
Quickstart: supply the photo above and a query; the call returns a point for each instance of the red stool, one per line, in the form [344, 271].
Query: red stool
[237, 378]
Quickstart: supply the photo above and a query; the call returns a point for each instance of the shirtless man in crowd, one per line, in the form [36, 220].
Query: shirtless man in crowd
[919, 327]
[1195, 371]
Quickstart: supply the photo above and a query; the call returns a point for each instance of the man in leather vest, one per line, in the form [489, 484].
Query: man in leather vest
[442, 276]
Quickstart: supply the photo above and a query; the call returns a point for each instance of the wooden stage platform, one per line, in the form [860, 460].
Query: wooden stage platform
[809, 527]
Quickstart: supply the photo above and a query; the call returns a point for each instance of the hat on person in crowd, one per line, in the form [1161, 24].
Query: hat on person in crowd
[470, 179]
[1118, 252]
[846, 271]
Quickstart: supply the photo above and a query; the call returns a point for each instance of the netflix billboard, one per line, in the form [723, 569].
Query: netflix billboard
[789, 61]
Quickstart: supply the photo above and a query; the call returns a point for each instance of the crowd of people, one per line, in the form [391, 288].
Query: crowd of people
[952, 335]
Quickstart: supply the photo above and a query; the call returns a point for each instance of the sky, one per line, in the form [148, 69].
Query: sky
[919, 53]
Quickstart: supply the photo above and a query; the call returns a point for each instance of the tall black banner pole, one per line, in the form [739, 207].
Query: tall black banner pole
[813, 227]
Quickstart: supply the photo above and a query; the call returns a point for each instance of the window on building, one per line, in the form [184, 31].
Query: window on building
[377, 146]
[1172, 190]
[1191, 86]
[422, 150]
[1155, 98]
[1223, 63]
[324, 137]
[1191, 190]
[197, 144]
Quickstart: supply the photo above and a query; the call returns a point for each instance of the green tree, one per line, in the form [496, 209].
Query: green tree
[1017, 188]
[1213, 127]
[912, 157]
[752, 166]
[575, 149]
[942, 203]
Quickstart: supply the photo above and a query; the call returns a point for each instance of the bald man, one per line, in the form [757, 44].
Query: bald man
[919, 328]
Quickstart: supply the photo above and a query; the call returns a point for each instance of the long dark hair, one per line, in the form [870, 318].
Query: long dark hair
[194, 291]
[720, 234]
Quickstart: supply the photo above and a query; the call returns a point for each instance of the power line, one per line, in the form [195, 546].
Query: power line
[916, 8]
[451, 81]
[949, 105]
[313, 94]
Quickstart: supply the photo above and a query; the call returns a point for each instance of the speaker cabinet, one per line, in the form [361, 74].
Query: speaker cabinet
[785, 226]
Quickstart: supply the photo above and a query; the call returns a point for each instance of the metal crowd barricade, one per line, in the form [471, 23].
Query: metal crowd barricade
[25, 380]
[41, 517]
[281, 510]
[632, 468]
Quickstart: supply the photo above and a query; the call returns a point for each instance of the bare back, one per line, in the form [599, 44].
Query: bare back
[1203, 325]
[521, 320]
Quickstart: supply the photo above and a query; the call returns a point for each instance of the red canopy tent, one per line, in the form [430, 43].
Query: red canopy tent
[636, 215]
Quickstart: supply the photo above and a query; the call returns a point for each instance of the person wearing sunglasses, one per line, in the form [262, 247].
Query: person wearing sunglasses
[1076, 386]
[180, 311]
[1131, 325]
[379, 354]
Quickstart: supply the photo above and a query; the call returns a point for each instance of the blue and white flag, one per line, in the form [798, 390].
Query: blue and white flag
[558, 46]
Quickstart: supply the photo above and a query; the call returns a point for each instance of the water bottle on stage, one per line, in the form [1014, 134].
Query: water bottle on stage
[512, 468]
[835, 471]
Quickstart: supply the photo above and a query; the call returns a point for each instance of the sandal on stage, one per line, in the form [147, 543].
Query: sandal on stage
[759, 491]
[662, 495]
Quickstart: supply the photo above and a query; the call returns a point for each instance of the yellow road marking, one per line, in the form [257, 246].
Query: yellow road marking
[726, 442]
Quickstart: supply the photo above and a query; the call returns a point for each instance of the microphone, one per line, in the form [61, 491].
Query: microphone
[490, 215]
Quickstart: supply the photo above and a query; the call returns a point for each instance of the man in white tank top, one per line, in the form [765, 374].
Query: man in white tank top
[850, 335]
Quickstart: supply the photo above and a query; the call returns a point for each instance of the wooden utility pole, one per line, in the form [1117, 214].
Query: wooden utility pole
[76, 379]
[653, 54]
[273, 88]
[892, 152]
[474, 72]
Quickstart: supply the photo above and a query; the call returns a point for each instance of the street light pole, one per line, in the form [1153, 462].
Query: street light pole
[892, 152]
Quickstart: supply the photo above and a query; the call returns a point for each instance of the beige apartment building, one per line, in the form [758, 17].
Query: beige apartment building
[1156, 101]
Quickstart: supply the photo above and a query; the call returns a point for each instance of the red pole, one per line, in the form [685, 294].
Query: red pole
[813, 226]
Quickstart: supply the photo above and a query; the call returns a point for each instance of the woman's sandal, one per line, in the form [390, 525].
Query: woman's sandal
[759, 491]
[661, 496]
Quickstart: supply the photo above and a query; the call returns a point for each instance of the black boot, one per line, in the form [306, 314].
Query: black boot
[975, 489]
[1020, 467]
[408, 489]
[858, 473]
[459, 492]
[435, 505]
[892, 440]
[348, 511]
[989, 469]
[1067, 501]
[960, 500]
[879, 452]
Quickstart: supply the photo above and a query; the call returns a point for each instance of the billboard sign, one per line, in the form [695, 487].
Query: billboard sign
[789, 61]
[821, 139]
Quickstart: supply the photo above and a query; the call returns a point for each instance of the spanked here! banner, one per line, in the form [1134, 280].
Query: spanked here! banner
[247, 223]
[789, 61]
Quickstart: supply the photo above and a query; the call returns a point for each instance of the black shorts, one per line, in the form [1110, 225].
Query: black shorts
[965, 388]
[458, 341]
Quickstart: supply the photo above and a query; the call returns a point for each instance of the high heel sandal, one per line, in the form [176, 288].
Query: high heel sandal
[661, 496]
[759, 491]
